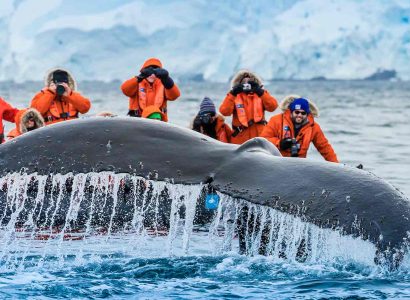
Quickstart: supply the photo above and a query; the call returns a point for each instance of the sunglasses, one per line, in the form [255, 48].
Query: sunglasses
[299, 112]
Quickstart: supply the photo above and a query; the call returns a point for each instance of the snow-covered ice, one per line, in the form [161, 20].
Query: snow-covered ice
[287, 39]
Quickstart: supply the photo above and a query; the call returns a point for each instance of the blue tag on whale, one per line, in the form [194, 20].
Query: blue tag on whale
[211, 201]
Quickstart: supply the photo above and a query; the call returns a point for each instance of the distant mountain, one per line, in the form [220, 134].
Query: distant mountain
[210, 40]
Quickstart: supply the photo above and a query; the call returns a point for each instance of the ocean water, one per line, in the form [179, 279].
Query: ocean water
[366, 122]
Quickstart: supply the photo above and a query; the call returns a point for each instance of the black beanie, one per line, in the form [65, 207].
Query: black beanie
[60, 76]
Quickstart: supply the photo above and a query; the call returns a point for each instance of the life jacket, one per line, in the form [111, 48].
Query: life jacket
[144, 87]
[258, 111]
[149, 110]
[60, 110]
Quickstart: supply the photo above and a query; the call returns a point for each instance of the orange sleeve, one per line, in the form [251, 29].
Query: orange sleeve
[130, 87]
[133, 103]
[269, 102]
[79, 102]
[42, 101]
[172, 93]
[12, 134]
[228, 132]
[228, 105]
[9, 112]
[322, 145]
[272, 130]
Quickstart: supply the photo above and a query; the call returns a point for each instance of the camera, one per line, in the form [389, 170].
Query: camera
[294, 149]
[60, 89]
[64, 115]
[246, 87]
[206, 118]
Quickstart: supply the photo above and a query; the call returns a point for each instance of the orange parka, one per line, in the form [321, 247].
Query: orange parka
[8, 113]
[143, 94]
[56, 108]
[21, 118]
[248, 110]
[223, 131]
[276, 130]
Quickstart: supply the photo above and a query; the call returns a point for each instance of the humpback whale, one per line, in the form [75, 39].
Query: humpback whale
[334, 196]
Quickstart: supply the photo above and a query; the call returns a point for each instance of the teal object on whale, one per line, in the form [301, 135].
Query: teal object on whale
[212, 201]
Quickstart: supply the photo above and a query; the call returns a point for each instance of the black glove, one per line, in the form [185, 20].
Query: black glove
[197, 124]
[163, 75]
[140, 77]
[285, 144]
[133, 113]
[256, 88]
[146, 72]
[237, 89]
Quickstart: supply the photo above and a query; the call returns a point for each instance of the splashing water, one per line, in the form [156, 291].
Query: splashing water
[85, 231]
[43, 215]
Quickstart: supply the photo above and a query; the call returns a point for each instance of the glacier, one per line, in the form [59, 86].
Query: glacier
[210, 40]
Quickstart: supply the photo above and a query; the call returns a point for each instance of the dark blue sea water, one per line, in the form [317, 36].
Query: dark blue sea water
[366, 122]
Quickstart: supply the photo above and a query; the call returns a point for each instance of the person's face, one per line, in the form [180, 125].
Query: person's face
[245, 80]
[30, 123]
[299, 116]
[151, 78]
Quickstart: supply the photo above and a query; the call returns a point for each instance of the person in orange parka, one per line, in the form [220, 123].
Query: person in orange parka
[153, 86]
[59, 101]
[247, 101]
[26, 120]
[8, 113]
[211, 124]
[154, 113]
[293, 131]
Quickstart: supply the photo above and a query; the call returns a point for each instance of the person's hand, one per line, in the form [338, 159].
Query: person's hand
[161, 73]
[133, 113]
[237, 89]
[256, 88]
[197, 124]
[67, 88]
[146, 72]
[52, 87]
[285, 144]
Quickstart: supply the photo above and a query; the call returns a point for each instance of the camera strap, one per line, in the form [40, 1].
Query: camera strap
[239, 129]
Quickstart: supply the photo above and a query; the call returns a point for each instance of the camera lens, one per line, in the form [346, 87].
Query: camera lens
[246, 87]
[60, 89]
[205, 119]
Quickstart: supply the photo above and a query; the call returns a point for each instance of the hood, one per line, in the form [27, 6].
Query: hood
[71, 81]
[152, 62]
[149, 110]
[284, 105]
[22, 117]
[237, 78]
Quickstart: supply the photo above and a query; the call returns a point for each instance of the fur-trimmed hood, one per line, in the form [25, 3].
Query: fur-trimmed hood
[49, 76]
[284, 105]
[241, 74]
[24, 115]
